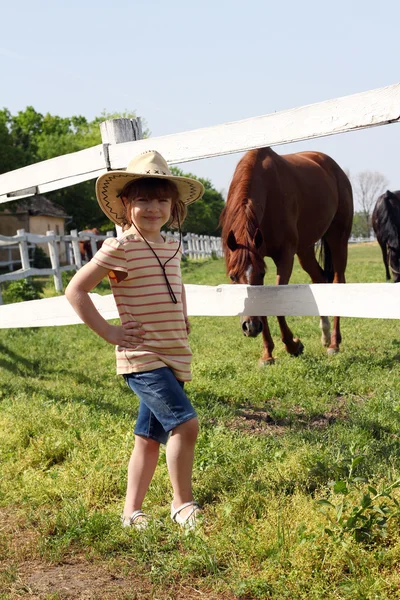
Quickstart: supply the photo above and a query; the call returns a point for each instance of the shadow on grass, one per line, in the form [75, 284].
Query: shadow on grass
[24, 367]
[388, 361]
[15, 362]
[89, 401]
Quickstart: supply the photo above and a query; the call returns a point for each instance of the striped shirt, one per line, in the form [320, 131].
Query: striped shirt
[143, 296]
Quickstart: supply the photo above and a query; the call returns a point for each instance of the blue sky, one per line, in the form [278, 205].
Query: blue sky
[184, 65]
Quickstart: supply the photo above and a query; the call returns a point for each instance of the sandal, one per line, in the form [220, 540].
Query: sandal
[191, 519]
[132, 520]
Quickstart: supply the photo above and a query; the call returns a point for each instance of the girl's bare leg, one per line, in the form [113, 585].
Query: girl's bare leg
[141, 469]
[180, 457]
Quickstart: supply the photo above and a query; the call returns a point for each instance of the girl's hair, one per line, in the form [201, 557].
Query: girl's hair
[152, 187]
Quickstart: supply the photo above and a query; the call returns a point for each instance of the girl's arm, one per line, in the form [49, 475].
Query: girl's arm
[185, 309]
[77, 294]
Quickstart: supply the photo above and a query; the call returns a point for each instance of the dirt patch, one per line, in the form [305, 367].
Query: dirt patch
[83, 580]
[258, 421]
[17, 541]
[24, 575]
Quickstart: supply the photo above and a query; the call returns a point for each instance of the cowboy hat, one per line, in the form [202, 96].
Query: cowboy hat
[147, 164]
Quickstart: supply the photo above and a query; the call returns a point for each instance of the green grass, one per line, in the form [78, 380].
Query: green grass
[273, 443]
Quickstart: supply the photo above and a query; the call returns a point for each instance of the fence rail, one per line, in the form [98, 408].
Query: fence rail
[349, 113]
[122, 139]
[361, 300]
[194, 246]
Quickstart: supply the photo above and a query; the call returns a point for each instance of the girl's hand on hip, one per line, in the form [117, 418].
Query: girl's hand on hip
[127, 336]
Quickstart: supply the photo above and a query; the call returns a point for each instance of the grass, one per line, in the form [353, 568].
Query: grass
[287, 456]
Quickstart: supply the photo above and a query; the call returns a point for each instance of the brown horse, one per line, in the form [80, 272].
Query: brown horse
[386, 224]
[85, 247]
[279, 206]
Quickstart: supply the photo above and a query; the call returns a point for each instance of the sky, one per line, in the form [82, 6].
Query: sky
[184, 65]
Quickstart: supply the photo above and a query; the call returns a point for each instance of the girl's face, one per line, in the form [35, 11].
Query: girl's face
[150, 214]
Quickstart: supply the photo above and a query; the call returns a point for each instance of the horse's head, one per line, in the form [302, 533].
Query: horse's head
[246, 265]
[392, 231]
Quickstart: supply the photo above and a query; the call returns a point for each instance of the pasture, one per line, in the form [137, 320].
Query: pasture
[294, 466]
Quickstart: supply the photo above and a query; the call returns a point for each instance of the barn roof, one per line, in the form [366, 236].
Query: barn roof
[36, 205]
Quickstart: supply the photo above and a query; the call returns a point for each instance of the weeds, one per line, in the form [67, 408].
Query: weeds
[362, 511]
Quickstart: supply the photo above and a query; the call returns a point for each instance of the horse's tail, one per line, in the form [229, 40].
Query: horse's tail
[325, 261]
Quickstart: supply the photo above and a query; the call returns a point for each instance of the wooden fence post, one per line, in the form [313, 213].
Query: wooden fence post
[117, 131]
[75, 248]
[23, 248]
[93, 245]
[55, 263]
[189, 245]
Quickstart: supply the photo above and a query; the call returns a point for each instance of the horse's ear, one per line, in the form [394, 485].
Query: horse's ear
[258, 239]
[231, 241]
[390, 195]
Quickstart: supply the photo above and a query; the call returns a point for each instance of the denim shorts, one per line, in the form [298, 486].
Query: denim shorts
[163, 403]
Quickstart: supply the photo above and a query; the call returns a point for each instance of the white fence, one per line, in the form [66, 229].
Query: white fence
[194, 246]
[350, 113]
[122, 140]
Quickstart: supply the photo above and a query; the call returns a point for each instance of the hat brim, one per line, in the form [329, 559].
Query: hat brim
[111, 184]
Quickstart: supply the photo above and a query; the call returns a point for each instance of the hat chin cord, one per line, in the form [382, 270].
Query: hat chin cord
[169, 286]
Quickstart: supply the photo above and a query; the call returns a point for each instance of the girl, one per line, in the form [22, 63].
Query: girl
[152, 349]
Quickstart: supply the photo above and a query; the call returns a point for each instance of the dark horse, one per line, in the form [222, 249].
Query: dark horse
[386, 224]
[85, 247]
[279, 206]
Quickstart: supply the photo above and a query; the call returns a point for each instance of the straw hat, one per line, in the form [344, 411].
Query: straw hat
[147, 164]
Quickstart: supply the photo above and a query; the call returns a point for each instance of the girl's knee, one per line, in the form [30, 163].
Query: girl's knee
[147, 445]
[189, 429]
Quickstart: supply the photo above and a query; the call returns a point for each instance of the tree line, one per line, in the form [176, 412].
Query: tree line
[367, 187]
[29, 137]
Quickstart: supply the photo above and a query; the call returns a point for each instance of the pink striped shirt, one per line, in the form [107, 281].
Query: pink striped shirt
[143, 296]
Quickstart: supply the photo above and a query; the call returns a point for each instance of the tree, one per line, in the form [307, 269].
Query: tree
[12, 156]
[203, 215]
[368, 186]
[30, 137]
[360, 228]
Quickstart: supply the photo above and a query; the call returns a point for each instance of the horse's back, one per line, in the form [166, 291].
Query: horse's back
[296, 197]
[324, 185]
[386, 216]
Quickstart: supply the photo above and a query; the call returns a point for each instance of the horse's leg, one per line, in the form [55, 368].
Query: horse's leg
[267, 358]
[284, 267]
[385, 259]
[309, 263]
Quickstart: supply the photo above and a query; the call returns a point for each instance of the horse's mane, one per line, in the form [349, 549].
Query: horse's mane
[389, 219]
[239, 215]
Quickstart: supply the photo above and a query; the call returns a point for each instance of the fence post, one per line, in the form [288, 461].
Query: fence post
[93, 245]
[118, 131]
[23, 248]
[55, 263]
[75, 248]
[207, 245]
[189, 245]
[197, 246]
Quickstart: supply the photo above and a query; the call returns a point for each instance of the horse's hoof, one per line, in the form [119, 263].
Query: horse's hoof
[300, 349]
[332, 351]
[266, 363]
